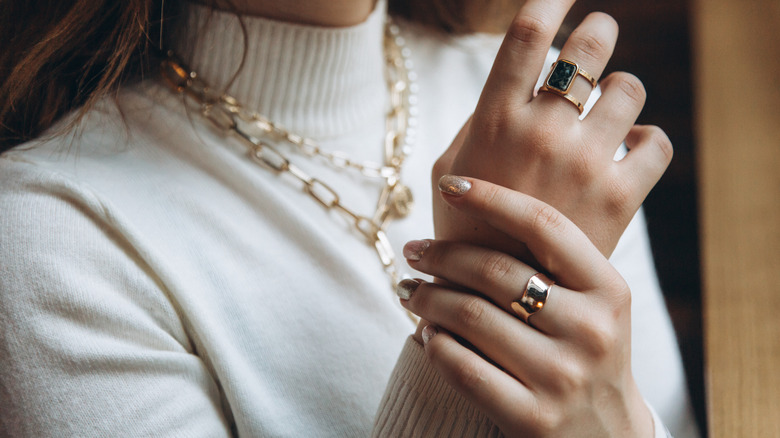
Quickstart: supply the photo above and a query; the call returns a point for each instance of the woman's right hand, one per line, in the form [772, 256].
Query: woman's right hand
[539, 146]
[563, 371]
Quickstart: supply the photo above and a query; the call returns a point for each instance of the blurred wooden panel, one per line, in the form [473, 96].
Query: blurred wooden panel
[737, 44]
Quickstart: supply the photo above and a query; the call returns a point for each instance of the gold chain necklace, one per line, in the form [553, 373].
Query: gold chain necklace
[258, 133]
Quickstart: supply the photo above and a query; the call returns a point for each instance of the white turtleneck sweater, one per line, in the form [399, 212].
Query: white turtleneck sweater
[155, 282]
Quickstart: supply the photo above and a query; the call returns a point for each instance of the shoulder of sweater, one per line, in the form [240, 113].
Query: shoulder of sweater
[141, 131]
[65, 249]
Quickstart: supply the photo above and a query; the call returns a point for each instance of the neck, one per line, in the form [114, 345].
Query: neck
[328, 13]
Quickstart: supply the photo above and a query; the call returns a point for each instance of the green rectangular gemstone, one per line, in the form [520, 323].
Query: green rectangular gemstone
[562, 75]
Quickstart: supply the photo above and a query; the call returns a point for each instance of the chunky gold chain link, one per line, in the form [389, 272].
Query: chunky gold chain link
[260, 134]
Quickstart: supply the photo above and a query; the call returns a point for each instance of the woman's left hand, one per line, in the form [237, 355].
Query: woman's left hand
[567, 372]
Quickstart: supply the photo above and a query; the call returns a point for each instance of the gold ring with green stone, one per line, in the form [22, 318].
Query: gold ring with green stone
[561, 78]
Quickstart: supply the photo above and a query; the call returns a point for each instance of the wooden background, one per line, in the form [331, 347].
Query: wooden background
[738, 125]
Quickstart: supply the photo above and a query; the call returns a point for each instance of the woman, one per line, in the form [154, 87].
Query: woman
[157, 281]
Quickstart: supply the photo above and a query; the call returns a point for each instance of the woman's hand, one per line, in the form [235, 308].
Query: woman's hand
[539, 146]
[565, 373]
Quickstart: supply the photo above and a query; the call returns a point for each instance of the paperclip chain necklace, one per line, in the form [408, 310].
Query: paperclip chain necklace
[260, 134]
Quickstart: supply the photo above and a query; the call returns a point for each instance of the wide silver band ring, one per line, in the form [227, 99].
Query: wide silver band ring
[534, 296]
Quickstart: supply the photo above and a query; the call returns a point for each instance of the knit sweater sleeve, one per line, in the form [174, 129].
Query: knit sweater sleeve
[89, 343]
[418, 402]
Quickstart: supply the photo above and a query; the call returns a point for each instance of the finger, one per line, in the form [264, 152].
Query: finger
[521, 57]
[614, 114]
[649, 154]
[500, 336]
[590, 46]
[556, 243]
[497, 276]
[497, 394]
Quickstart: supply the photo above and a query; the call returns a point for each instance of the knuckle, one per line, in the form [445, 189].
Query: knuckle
[662, 142]
[570, 376]
[620, 298]
[605, 343]
[547, 421]
[622, 301]
[590, 46]
[546, 219]
[528, 30]
[620, 196]
[470, 311]
[631, 87]
[602, 338]
[495, 267]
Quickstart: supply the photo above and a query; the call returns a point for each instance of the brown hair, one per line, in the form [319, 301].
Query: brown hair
[59, 55]
[63, 54]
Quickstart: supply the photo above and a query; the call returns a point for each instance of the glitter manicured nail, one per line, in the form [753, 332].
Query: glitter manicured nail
[405, 288]
[413, 250]
[428, 333]
[454, 185]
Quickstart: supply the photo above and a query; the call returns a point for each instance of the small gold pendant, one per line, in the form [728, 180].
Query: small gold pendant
[401, 201]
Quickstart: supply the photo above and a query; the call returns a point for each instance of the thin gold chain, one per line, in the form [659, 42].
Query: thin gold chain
[259, 134]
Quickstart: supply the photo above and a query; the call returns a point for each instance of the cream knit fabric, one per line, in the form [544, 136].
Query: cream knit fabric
[155, 282]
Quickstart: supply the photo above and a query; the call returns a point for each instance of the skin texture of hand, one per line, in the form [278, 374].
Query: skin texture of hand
[565, 373]
[538, 145]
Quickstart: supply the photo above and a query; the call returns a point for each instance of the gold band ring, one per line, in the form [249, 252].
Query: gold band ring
[534, 296]
[561, 78]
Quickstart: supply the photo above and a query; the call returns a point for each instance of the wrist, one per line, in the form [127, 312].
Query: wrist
[643, 421]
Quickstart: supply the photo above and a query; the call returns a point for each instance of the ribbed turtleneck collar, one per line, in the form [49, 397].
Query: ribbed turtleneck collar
[317, 81]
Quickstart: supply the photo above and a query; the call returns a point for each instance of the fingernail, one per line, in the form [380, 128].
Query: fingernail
[414, 249]
[428, 333]
[454, 185]
[406, 287]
